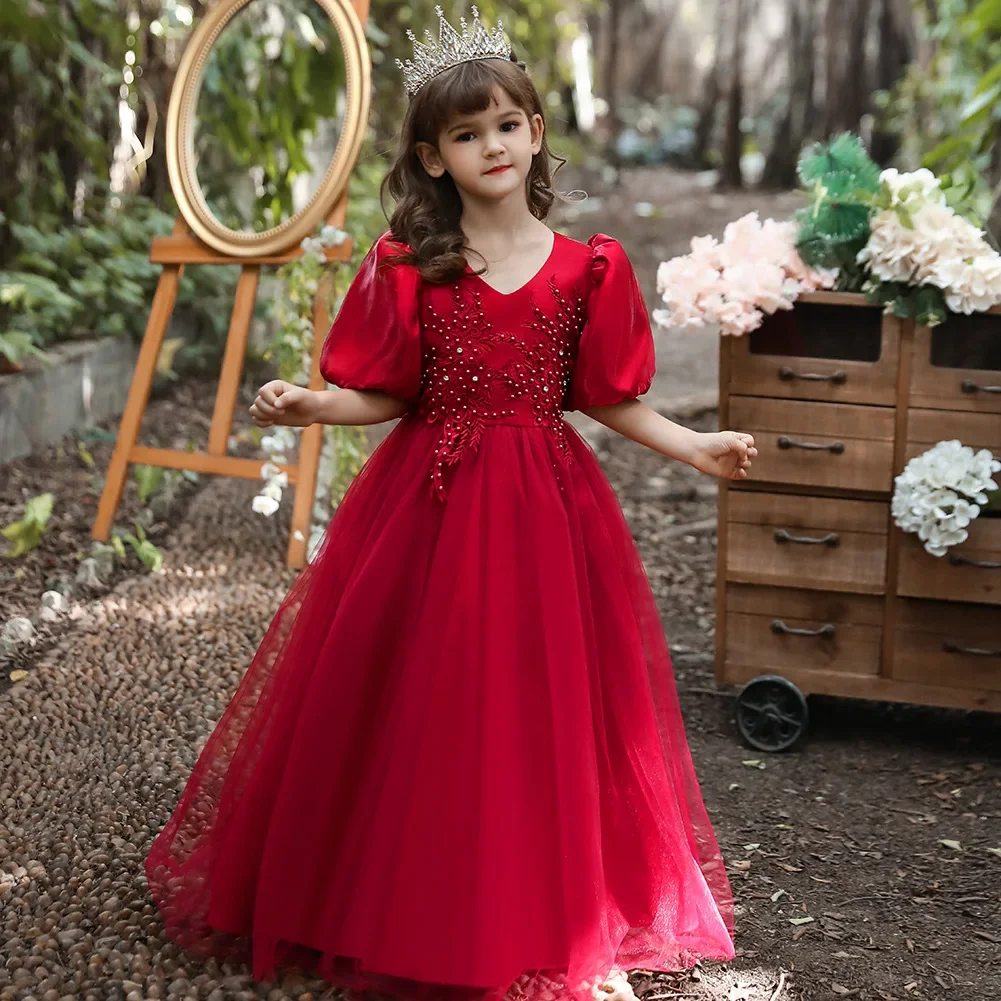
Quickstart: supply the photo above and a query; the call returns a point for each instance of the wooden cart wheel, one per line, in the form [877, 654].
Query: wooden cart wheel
[772, 713]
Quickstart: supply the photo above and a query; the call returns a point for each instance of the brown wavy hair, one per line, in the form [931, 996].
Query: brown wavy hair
[427, 211]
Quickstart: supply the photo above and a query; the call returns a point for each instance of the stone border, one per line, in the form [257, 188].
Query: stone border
[85, 382]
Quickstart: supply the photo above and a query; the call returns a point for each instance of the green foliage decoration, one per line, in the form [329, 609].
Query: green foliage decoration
[834, 226]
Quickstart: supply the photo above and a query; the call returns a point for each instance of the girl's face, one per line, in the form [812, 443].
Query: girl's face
[487, 153]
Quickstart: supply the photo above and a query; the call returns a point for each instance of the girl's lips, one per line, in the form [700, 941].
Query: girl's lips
[500, 170]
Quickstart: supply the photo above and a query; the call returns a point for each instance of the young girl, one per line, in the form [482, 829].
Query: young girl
[456, 768]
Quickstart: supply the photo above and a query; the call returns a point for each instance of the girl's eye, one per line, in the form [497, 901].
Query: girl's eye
[513, 125]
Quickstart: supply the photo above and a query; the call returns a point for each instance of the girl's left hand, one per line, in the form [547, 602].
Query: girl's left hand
[726, 454]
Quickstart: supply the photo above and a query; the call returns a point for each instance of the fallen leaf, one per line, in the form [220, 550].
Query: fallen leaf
[18, 675]
[995, 851]
[754, 763]
[911, 985]
[777, 894]
[752, 847]
[800, 921]
[909, 944]
[839, 988]
[742, 865]
[739, 992]
[788, 868]
[955, 845]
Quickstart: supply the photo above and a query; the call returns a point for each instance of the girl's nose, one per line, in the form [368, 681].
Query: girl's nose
[494, 144]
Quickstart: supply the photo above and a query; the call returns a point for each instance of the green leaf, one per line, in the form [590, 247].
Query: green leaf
[84, 454]
[118, 546]
[27, 533]
[983, 102]
[147, 480]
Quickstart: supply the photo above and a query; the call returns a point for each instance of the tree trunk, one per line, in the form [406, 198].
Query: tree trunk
[794, 126]
[613, 125]
[896, 50]
[846, 83]
[730, 176]
[707, 112]
[645, 80]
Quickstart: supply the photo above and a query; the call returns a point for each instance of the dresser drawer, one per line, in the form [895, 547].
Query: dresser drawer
[829, 347]
[957, 365]
[970, 572]
[818, 444]
[928, 427]
[772, 629]
[946, 643]
[813, 542]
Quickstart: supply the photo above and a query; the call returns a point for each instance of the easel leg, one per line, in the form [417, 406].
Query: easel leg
[310, 444]
[142, 382]
[232, 362]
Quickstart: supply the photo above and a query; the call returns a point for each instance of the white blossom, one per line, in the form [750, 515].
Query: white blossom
[934, 246]
[941, 491]
[262, 504]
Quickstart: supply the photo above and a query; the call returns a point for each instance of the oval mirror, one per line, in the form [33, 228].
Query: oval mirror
[266, 117]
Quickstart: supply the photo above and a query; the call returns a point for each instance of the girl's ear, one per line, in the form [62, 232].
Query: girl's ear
[430, 158]
[538, 127]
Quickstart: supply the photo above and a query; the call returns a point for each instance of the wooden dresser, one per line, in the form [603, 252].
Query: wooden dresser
[816, 585]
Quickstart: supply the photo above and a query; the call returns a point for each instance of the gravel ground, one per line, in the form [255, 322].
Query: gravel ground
[884, 827]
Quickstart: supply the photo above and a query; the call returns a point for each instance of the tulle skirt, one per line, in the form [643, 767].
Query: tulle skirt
[456, 768]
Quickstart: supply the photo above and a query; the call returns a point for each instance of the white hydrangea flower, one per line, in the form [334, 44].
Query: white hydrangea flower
[941, 491]
[939, 248]
[265, 505]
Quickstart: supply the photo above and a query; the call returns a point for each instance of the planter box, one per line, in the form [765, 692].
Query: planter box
[84, 383]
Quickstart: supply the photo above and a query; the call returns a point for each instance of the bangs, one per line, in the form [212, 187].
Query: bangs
[467, 89]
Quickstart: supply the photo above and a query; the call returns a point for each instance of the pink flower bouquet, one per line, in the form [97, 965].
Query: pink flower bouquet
[754, 271]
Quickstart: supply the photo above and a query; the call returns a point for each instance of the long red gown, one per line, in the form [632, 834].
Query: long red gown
[456, 767]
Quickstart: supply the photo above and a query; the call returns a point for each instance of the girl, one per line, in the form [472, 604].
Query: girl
[456, 768]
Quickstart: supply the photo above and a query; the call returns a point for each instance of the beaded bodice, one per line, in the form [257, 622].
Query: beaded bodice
[510, 365]
[467, 358]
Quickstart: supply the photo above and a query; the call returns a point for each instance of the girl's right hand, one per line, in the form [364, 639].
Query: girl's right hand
[280, 402]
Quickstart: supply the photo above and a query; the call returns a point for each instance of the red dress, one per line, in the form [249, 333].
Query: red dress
[456, 767]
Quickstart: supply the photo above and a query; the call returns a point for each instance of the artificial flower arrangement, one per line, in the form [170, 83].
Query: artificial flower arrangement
[905, 240]
[941, 491]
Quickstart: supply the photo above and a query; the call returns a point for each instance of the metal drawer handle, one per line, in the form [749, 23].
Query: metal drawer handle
[835, 447]
[964, 561]
[969, 386]
[778, 626]
[787, 374]
[832, 539]
[950, 647]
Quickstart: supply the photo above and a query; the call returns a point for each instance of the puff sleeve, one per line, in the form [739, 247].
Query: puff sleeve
[374, 341]
[615, 355]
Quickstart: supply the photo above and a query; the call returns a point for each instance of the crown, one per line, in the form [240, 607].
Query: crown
[452, 48]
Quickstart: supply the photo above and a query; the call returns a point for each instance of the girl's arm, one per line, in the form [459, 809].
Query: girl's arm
[280, 402]
[718, 453]
[357, 407]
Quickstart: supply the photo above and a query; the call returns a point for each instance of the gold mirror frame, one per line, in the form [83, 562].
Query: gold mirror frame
[180, 135]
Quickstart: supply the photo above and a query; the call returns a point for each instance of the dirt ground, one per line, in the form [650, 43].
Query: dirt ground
[865, 864]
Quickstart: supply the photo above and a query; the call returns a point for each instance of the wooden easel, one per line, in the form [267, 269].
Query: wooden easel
[173, 252]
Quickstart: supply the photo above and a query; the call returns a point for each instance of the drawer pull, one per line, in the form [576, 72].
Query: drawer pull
[778, 626]
[787, 374]
[969, 386]
[835, 447]
[832, 539]
[964, 561]
[950, 647]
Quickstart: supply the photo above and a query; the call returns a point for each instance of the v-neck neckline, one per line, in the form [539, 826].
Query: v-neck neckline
[542, 267]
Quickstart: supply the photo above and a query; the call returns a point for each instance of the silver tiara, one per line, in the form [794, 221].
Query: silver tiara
[452, 48]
